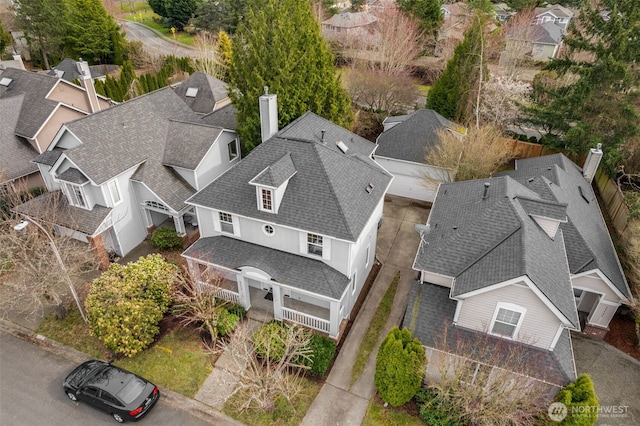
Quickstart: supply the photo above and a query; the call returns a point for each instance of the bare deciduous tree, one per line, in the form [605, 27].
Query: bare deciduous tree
[208, 57]
[475, 156]
[379, 91]
[501, 100]
[262, 380]
[398, 44]
[519, 34]
[197, 303]
[484, 380]
[32, 276]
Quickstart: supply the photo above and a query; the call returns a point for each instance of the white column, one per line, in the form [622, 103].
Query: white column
[277, 302]
[243, 289]
[334, 319]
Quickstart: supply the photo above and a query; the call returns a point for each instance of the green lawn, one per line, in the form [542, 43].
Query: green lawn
[177, 361]
[375, 328]
[378, 415]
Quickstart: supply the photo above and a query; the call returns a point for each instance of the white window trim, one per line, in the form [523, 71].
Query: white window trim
[261, 202]
[354, 283]
[235, 148]
[116, 185]
[224, 222]
[73, 199]
[509, 307]
[264, 229]
[315, 244]
[367, 254]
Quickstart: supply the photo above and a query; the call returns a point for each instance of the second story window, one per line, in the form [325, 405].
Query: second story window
[267, 200]
[76, 195]
[114, 191]
[233, 149]
[226, 222]
[314, 244]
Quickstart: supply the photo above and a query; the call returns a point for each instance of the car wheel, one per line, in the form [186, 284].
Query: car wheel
[72, 396]
[117, 418]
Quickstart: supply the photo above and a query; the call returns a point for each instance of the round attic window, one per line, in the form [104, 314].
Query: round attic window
[269, 230]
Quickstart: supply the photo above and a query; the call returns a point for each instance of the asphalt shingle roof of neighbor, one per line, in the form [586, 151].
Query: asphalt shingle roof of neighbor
[327, 195]
[587, 239]
[69, 69]
[209, 91]
[187, 143]
[35, 108]
[483, 236]
[429, 317]
[547, 33]
[225, 117]
[130, 134]
[73, 175]
[300, 272]
[49, 157]
[17, 154]
[76, 218]
[413, 137]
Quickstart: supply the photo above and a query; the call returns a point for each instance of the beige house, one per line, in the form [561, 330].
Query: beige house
[518, 261]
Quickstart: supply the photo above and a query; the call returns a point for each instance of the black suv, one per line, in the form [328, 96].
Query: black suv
[118, 392]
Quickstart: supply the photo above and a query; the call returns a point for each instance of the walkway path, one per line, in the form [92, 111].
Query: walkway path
[339, 402]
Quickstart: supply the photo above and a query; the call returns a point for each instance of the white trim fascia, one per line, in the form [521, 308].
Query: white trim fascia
[214, 143]
[604, 278]
[57, 164]
[490, 288]
[108, 216]
[251, 182]
[550, 305]
[458, 309]
[412, 163]
[556, 337]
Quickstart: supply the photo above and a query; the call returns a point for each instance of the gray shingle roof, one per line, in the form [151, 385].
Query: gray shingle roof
[224, 117]
[35, 108]
[277, 173]
[85, 221]
[209, 91]
[73, 175]
[49, 158]
[187, 143]
[413, 137]
[429, 317]
[587, 240]
[17, 154]
[300, 272]
[327, 195]
[69, 69]
[482, 241]
[130, 134]
[547, 33]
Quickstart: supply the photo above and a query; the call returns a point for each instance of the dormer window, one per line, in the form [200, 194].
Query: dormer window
[75, 195]
[267, 199]
[314, 244]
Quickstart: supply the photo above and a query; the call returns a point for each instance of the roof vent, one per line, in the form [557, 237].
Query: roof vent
[5, 81]
[486, 190]
[369, 188]
[191, 92]
[342, 147]
[322, 132]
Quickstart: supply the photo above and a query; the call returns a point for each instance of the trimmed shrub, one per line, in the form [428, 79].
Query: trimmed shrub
[323, 351]
[580, 398]
[237, 310]
[166, 239]
[433, 412]
[400, 367]
[126, 303]
[269, 340]
[227, 322]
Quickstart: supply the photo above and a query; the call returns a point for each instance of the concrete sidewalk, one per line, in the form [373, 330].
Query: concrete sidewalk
[339, 402]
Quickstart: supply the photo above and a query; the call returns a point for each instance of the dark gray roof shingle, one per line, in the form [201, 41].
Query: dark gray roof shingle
[300, 272]
[224, 117]
[187, 143]
[69, 70]
[209, 91]
[277, 173]
[413, 136]
[49, 158]
[73, 175]
[327, 195]
[17, 154]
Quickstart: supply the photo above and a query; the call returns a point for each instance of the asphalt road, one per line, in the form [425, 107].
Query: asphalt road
[151, 42]
[31, 392]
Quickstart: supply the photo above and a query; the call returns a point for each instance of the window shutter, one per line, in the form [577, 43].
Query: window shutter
[216, 221]
[303, 242]
[326, 248]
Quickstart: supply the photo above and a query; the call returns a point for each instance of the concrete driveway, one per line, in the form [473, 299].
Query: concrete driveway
[616, 378]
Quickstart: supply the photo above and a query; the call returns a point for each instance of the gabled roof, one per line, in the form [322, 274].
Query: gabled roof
[328, 193]
[201, 92]
[413, 136]
[350, 20]
[277, 173]
[225, 117]
[187, 143]
[555, 10]
[485, 236]
[134, 134]
[36, 108]
[17, 154]
[67, 69]
[587, 240]
[547, 33]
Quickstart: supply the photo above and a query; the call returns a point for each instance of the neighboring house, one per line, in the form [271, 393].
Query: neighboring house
[34, 107]
[124, 171]
[403, 146]
[203, 92]
[502, 12]
[295, 222]
[555, 14]
[517, 261]
[68, 69]
[456, 19]
[353, 28]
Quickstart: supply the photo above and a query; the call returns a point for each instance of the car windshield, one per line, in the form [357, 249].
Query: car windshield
[131, 390]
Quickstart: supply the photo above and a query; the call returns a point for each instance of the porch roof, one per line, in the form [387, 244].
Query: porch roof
[429, 317]
[296, 271]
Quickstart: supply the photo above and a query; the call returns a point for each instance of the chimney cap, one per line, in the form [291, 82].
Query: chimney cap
[266, 90]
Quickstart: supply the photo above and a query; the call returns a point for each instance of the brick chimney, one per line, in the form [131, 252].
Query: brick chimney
[268, 115]
[87, 83]
[591, 164]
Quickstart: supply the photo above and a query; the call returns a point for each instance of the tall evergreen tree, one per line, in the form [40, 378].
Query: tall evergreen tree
[595, 103]
[219, 15]
[44, 23]
[5, 39]
[427, 12]
[225, 49]
[278, 44]
[93, 33]
[454, 94]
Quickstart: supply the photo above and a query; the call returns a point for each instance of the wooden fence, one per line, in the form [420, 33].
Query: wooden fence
[613, 201]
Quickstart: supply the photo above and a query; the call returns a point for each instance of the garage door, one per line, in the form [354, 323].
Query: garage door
[411, 187]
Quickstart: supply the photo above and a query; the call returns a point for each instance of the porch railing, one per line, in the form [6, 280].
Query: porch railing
[306, 320]
[229, 295]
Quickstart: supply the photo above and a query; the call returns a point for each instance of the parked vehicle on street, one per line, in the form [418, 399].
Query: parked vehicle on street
[124, 395]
